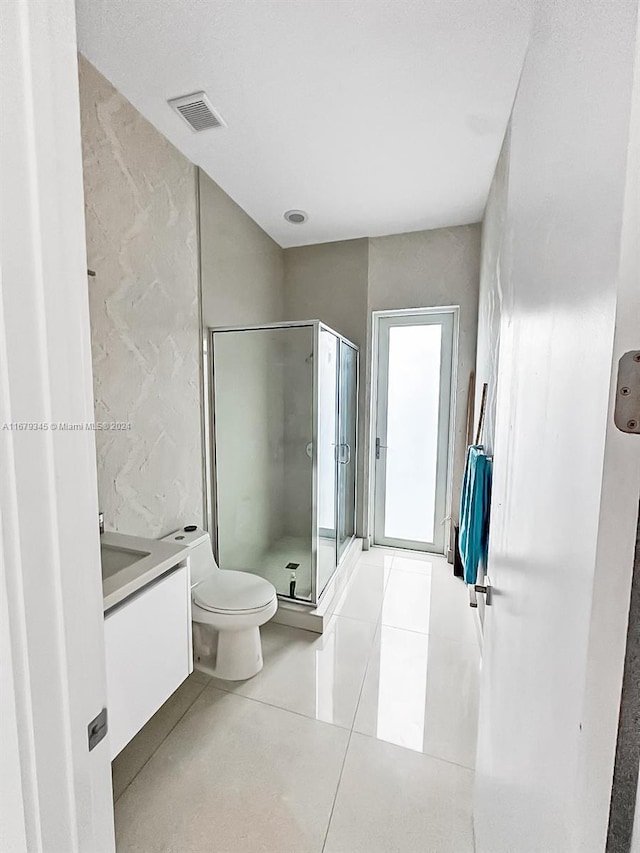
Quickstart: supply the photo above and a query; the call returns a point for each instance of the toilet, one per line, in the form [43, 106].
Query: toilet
[227, 610]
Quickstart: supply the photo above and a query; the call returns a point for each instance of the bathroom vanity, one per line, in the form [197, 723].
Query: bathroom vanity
[147, 619]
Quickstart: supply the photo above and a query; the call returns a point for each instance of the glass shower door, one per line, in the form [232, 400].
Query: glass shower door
[347, 443]
[263, 416]
[327, 454]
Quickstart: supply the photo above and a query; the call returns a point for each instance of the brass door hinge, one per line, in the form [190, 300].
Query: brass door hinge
[626, 414]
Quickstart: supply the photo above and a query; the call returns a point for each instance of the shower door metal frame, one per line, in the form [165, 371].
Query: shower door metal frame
[211, 499]
[347, 543]
[212, 474]
[341, 339]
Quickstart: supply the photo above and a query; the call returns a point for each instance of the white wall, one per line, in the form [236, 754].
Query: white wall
[341, 283]
[329, 282]
[140, 203]
[242, 267]
[490, 295]
[425, 269]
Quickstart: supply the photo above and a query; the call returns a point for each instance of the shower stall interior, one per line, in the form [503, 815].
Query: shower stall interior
[283, 455]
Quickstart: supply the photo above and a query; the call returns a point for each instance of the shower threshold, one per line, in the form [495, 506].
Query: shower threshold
[316, 617]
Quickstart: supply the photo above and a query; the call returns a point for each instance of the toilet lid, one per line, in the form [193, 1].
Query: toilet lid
[227, 590]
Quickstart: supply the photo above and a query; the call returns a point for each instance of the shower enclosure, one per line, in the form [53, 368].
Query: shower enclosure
[283, 452]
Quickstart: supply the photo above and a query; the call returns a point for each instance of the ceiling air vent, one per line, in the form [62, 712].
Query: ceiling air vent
[197, 111]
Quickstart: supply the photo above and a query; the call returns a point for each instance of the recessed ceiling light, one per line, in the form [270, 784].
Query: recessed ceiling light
[296, 217]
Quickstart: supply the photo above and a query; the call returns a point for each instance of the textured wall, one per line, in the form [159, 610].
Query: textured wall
[425, 269]
[140, 198]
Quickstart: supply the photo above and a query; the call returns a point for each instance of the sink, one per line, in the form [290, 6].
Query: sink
[131, 562]
[115, 559]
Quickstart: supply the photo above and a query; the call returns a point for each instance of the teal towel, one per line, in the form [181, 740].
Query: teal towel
[475, 503]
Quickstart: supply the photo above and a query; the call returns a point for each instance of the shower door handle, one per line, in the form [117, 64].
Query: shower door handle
[348, 459]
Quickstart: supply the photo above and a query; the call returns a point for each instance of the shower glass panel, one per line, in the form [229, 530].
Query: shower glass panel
[327, 453]
[347, 445]
[283, 442]
[263, 410]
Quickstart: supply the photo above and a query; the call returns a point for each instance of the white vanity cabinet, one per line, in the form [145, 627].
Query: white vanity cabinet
[148, 652]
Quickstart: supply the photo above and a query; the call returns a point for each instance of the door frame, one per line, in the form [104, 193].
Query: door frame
[376, 316]
[55, 794]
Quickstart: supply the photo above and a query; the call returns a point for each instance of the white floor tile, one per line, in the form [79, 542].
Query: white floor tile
[421, 692]
[451, 615]
[405, 553]
[316, 675]
[362, 598]
[234, 776]
[392, 800]
[202, 677]
[137, 752]
[377, 557]
[407, 601]
[253, 767]
[421, 566]
[433, 602]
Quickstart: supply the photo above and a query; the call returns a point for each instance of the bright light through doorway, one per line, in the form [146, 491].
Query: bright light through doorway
[413, 400]
[412, 431]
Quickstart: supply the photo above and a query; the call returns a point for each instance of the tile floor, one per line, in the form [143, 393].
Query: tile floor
[362, 739]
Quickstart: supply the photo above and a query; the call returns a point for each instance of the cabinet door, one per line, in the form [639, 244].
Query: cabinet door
[148, 652]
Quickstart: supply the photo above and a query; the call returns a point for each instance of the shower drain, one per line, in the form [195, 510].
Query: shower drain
[291, 567]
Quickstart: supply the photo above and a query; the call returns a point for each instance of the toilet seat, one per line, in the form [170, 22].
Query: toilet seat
[233, 592]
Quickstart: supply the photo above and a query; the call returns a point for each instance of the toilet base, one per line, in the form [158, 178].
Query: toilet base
[239, 654]
[228, 655]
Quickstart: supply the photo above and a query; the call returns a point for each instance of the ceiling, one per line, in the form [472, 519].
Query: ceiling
[374, 116]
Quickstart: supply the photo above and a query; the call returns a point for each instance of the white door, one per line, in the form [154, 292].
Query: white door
[566, 481]
[413, 416]
[55, 794]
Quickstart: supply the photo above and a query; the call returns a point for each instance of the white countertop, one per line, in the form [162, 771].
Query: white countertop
[160, 557]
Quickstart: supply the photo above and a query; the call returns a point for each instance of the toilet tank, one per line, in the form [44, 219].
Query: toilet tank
[201, 560]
